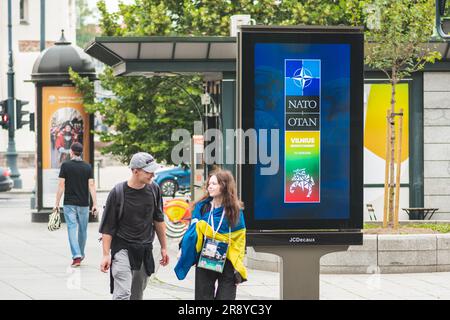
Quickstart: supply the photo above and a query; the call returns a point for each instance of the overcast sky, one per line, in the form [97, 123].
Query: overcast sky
[112, 6]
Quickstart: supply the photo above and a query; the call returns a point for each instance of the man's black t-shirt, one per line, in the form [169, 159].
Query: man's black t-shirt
[140, 209]
[76, 189]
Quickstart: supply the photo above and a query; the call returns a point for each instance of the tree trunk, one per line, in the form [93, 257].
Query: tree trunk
[392, 145]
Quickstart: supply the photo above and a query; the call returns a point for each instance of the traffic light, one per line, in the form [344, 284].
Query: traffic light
[4, 117]
[20, 113]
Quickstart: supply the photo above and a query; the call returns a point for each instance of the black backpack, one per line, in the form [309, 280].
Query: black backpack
[120, 197]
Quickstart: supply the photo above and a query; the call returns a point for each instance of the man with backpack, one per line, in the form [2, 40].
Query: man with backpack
[133, 211]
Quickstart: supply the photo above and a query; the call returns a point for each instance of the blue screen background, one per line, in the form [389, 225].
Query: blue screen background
[335, 129]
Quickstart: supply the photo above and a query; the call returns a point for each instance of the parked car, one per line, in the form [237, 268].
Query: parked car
[173, 179]
[6, 183]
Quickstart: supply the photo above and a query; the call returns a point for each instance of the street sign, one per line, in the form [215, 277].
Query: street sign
[206, 99]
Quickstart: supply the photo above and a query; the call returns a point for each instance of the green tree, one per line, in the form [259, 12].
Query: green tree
[212, 17]
[396, 38]
[145, 110]
[143, 113]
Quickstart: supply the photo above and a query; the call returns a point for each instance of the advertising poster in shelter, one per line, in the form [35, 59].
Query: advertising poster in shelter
[377, 100]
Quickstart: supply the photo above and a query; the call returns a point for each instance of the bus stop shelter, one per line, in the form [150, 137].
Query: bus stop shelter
[213, 58]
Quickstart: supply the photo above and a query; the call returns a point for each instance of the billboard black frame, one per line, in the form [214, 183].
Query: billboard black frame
[247, 38]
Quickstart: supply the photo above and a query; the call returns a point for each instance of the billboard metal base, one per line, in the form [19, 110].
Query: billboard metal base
[300, 269]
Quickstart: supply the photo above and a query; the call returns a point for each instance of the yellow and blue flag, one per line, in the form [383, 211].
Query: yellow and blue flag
[192, 242]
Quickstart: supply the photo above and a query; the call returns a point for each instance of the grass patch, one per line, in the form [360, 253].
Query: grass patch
[370, 226]
[441, 228]
[437, 227]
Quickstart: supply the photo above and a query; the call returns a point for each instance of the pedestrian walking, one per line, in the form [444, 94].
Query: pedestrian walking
[76, 181]
[215, 241]
[133, 211]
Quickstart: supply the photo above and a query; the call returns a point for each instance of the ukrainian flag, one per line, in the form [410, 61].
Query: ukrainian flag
[192, 242]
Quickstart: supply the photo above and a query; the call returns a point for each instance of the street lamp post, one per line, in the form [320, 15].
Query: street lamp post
[42, 41]
[11, 154]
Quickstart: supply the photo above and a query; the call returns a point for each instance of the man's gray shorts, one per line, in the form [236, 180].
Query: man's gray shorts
[128, 284]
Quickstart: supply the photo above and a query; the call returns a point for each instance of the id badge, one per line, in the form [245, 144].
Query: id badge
[213, 255]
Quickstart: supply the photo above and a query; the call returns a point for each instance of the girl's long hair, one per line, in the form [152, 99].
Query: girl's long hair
[230, 200]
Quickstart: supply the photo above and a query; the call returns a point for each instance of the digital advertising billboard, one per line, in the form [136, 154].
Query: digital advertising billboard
[301, 91]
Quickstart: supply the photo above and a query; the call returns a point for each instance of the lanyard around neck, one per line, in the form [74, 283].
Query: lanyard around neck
[212, 220]
[220, 224]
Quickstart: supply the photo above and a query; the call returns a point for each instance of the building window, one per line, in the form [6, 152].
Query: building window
[23, 11]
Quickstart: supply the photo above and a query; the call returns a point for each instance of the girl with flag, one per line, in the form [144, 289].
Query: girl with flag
[215, 241]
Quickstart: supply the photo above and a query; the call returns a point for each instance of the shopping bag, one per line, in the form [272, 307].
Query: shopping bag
[54, 220]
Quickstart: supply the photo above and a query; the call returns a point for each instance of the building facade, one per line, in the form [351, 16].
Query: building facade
[26, 32]
[436, 109]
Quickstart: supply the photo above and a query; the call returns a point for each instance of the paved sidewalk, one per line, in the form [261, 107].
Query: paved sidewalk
[34, 264]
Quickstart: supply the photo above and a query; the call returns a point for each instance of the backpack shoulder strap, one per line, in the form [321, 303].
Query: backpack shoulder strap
[120, 197]
[155, 191]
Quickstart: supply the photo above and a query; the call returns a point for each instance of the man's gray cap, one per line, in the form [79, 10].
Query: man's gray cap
[144, 161]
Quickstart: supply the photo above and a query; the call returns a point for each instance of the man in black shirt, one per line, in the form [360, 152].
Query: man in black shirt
[76, 179]
[132, 210]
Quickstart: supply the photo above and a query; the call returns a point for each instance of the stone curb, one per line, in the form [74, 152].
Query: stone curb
[378, 254]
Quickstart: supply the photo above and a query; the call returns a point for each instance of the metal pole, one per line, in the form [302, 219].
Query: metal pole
[11, 154]
[42, 25]
[300, 269]
[98, 174]
[438, 26]
[386, 171]
[399, 165]
[42, 48]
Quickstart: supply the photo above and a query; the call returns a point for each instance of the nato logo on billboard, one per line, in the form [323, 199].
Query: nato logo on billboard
[302, 131]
